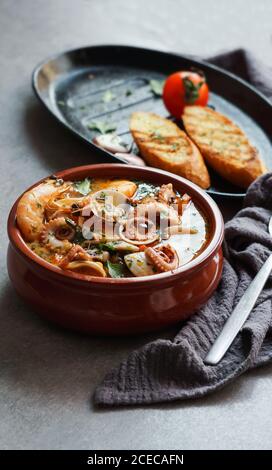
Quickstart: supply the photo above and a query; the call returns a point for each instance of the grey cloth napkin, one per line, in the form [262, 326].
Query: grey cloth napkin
[166, 370]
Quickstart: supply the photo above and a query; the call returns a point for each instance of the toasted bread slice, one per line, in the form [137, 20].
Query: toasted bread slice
[224, 146]
[163, 145]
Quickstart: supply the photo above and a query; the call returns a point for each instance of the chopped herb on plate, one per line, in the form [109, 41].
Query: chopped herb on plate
[156, 86]
[102, 127]
[108, 96]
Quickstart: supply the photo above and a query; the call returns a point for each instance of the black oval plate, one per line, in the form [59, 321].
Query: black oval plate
[74, 87]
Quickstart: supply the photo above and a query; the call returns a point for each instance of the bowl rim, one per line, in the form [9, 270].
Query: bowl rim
[195, 264]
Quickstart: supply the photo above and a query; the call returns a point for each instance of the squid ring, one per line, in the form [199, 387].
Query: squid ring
[138, 231]
[89, 268]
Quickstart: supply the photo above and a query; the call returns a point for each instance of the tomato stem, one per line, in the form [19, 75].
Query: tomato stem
[191, 90]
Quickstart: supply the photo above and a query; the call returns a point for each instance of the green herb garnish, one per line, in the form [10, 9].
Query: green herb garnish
[144, 190]
[83, 187]
[101, 197]
[156, 86]
[102, 127]
[157, 135]
[78, 238]
[115, 269]
[108, 96]
[109, 246]
[61, 103]
[128, 92]
[175, 146]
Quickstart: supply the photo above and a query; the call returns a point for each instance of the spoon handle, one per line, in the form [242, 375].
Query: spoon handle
[239, 315]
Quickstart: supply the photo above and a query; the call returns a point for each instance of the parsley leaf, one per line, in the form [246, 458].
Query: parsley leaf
[108, 96]
[115, 269]
[144, 190]
[102, 127]
[83, 187]
[79, 238]
[157, 86]
[108, 246]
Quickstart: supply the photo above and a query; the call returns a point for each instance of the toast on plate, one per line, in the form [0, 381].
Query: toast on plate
[224, 146]
[164, 145]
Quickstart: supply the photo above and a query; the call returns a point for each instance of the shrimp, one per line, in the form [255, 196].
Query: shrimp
[30, 209]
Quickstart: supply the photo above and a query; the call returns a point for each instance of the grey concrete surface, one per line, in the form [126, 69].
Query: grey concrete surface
[47, 375]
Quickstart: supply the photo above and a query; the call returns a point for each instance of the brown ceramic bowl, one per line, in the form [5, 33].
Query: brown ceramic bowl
[118, 306]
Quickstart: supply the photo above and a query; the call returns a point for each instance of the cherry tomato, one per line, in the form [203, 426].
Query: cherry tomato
[183, 89]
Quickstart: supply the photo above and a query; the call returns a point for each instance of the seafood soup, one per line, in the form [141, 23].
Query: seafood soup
[111, 227]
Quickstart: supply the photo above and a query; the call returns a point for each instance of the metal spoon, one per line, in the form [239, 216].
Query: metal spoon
[240, 313]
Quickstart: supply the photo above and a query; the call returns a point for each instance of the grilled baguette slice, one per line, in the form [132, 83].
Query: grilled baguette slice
[163, 145]
[224, 146]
